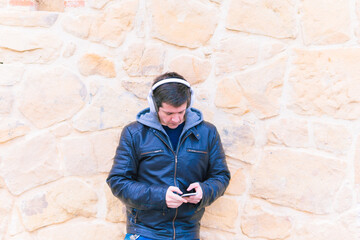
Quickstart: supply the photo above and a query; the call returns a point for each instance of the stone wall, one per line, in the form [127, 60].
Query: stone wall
[279, 79]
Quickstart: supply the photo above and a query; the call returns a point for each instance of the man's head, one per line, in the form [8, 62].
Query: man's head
[171, 99]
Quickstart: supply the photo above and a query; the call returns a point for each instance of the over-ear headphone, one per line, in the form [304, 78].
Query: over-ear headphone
[150, 98]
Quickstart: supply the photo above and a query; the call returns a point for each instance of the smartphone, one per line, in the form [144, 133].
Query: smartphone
[188, 194]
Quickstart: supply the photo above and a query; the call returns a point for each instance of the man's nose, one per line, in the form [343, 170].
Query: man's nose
[175, 118]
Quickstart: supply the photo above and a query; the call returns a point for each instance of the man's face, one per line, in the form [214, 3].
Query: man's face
[172, 116]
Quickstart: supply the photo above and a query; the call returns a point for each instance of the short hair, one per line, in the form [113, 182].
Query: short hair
[174, 94]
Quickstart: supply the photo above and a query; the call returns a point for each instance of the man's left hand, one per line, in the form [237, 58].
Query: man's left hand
[199, 193]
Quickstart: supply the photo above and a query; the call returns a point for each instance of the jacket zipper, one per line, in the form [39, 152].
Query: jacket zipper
[175, 154]
[196, 151]
[156, 151]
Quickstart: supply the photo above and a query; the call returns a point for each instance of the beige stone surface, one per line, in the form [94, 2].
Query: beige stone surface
[98, 4]
[28, 18]
[138, 86]
[332, 138]
[104, 145]
[187, 24]
[3, 3]
[62, 129]
[263, 88]
[50, 5]
[229, 59]
[108, 109]
[238, 183]
[240, 145]
[82, 230]
[11, 128]
[116, 210]
[289, 132]
[326, 83]
[69, 50]
[194, 69]
[271, 18]
[213, 234]
[6, 203]
[357, 164]
[297, 179]
[319, 24]
[344, 199]
[110, 28]
[142, 59]
[6, 101]
[230, 97]
[78, 25]
[92, 64]
[323, 231]
[57, 203]
[221, 215]
[11, 74]
[46, 102]
[37, 163]
[258, 223]
[32, 47]
[78, 156]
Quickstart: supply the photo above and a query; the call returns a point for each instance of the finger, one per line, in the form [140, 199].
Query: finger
[175, 189]
[193, 186]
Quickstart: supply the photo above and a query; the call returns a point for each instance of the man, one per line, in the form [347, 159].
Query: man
[170, 150]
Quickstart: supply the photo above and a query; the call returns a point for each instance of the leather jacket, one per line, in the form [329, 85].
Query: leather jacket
[145, 165]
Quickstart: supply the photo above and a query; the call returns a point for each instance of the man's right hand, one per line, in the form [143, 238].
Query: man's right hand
[173, 200]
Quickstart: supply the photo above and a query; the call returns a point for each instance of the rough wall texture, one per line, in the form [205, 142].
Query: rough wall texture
[280, 80]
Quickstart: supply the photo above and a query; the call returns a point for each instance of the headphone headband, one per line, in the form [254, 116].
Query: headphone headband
[170, 80]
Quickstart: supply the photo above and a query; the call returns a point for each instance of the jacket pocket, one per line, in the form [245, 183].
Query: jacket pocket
[191, 150]
[147, 152]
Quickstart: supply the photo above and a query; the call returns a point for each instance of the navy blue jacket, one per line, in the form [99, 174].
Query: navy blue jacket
[145, 165]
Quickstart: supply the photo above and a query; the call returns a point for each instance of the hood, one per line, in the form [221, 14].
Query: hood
[193, 117]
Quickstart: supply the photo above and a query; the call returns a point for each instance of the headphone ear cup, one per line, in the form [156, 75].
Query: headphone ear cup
[152, 105]
[192, 98]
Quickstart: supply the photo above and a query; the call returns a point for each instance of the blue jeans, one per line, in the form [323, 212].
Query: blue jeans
[138, 237]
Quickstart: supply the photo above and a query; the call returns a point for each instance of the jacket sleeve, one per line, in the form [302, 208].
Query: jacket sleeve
[218, 175]
[123, 175]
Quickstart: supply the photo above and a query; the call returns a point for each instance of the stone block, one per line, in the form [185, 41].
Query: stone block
[33, 47]
[258, 223]
[46, 102]
[212, 234]
[138, 86]
[194, 69]
[271, 18]
[116, 210]
[229, 59]
[11, 128]
[37, 163]
[108, 109]
[222, 214]
[142, 59]
[28, 18]
[319, 24]
[187, 24]
[263, 88]
[332, 138]
[62, 129]
[82, 230]
[104, 144]
[6, 204]
[10, 74]
[290, 132]
[50, 5]
[326, 83]
[298, 180]
[6, 101]
[98, 4]
[69, 50]
[78, 25]
[230, 97]
[78, 156]
[110, 28]
[344, 199]
[357, 164]
[239, 142]
[92, 64]
[237, 184]
[57, 203]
